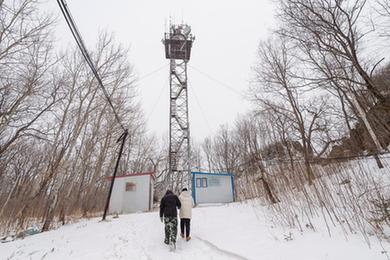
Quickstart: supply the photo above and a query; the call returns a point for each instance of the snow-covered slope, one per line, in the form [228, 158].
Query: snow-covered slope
[234, 231]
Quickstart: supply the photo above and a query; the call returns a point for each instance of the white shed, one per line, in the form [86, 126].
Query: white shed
[132, 193]
[212, 187]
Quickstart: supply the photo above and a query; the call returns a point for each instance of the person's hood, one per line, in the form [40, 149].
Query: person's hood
[168, 192]
[185, 193]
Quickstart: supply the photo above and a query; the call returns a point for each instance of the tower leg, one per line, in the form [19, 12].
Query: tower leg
[179, 134]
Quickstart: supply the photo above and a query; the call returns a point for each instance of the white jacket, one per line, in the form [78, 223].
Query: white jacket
[186, 204]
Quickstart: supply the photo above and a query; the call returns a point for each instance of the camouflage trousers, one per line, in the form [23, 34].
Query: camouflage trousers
[170, 230]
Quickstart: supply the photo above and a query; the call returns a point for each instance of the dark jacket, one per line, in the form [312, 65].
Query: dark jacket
[168, 205]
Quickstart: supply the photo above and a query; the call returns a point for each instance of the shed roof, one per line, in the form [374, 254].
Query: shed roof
[134, 175]
[214, 173]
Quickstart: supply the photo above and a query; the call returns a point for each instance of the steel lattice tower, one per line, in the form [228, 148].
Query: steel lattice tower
[178, 42]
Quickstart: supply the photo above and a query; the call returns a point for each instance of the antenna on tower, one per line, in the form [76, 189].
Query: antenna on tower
[165, 24]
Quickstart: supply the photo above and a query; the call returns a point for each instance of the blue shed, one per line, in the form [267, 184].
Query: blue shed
[212, 187]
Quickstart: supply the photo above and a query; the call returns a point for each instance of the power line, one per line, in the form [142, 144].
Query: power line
[152, 72]
[201, 110]
[72, 26]
[217, 81]
[158, 99]
[80, 43]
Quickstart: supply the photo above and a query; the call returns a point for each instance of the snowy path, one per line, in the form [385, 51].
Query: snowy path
[231, 232]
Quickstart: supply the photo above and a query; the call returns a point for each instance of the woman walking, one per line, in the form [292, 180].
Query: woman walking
[185, 213]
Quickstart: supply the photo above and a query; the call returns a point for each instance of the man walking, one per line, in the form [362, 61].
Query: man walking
[168, 215]
[185, 213]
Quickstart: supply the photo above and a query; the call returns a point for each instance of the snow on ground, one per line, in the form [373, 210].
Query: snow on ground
[233, 231]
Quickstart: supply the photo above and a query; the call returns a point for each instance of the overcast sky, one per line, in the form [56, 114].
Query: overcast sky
[227, 35]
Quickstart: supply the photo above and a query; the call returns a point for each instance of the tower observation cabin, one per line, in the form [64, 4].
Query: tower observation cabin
[178, 42]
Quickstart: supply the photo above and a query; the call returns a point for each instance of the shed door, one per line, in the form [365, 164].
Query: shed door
[129, 197]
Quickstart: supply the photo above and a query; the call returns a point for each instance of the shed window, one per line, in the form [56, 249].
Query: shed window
[201, 182]
[130, 186]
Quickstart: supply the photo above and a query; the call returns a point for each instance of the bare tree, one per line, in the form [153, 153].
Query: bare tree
[57, 133]
[274, 75]
[331, 26]
[247, 133]
[328, 36]
[26, 88]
